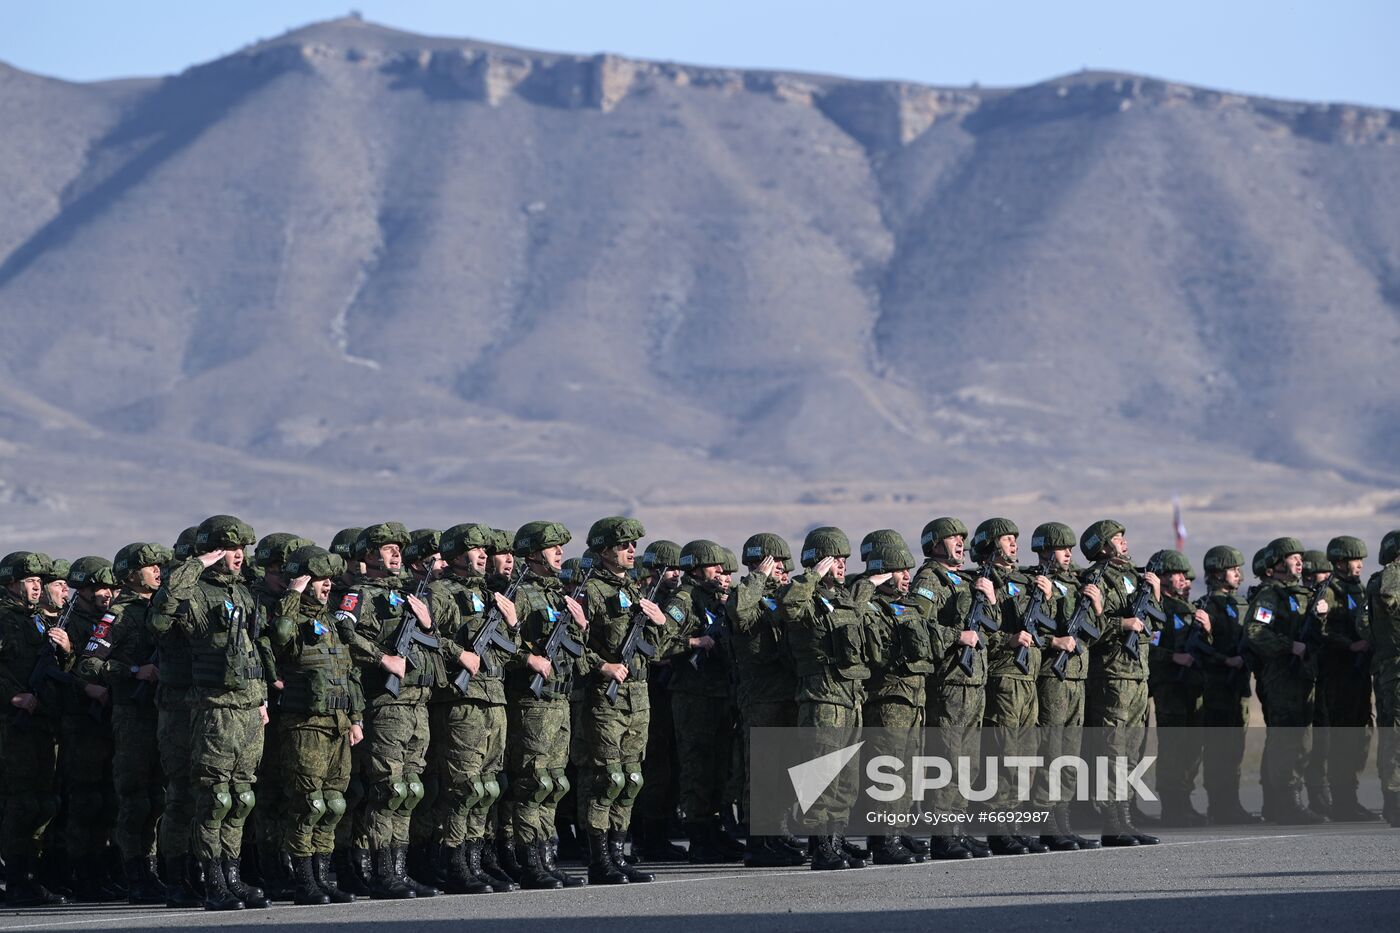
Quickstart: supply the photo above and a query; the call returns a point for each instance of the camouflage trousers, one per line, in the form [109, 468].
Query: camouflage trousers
[536, 754]
[1060, 716]
[85, 773]
[471, 735]
[426, 822]
[28, 767]
[1288, 741]
[1180, 738]
[954, 715]
[224, 754]
[1340, 752]
[315, 764]
[703, 733]
[174, 718]
[1009, 721]
[657, 800]
[396, 740]
[614, 737]
[1118, 707]
[838, 727]
[1225, 716]
[761, 715]
[1388, 730]
[272, 815]
[139, 783]
[894, 727]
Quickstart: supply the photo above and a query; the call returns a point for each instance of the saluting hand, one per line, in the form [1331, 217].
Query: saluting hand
[507, 609]
[652, 611]
[420, 611]
[576, 611]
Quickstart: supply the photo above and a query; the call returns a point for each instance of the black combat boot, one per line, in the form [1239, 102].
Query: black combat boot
[1288, 809]
[601, 869]
[615, 840]
[826, 855]
[490, 867]
[726, 843]
[857, 856]
[233, 878]
[549, 858]
[1143, 839]
[656, 842]
[354, 871]
[509, 861]
[945, 848]
[1006, 845]
[1032, 844]
[915, 845]
[459, 878]
[1116, 832]
[768, 852]
[386, 883]
[217, 895]
[1320, 800]
[704, 848]
[424, 866]
[1347, 809]
[977, 847]
[533, 875]
[1061, 814]
[889, 850]
[22, 888]
[321, 871]
[178, 890]
[305, 890]
[400, 855]
[142, 885]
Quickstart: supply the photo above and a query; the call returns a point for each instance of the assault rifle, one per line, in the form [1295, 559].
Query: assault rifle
[489, 637]
[46, 666]
[1081, 623]
[979, 619]
[1144, 606]
[1035, 621]
[408, 635]
[143, 687]
[560, 640]
[1311, 634]
[636, 643]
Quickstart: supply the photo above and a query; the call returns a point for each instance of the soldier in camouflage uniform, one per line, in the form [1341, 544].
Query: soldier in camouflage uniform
[320, 719]
[826, 635]
[656, 804]
[470, 727]
[1117, 693]
[230, 700]
[1060, 696]
[29, 734]
[119, 655]
[353, 868]
[1382, 630]
[901, 658]
[1316, 569]
[271, 816]
[170, 630]
[1345, 662]
[701, 668]
[1176, 682]
[614, 730]
[767, 686]
[371, 617]
[538, 726]
[86, 749]
[422, 560]
[1225, 697]
[1277, 622]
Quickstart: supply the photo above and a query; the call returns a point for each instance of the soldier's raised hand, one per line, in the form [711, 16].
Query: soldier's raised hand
[652, 611]
[824, 567]
[211, 558]
[420, 611]
[300, 583]
[767, 566]
[507, 610]
[576, 611]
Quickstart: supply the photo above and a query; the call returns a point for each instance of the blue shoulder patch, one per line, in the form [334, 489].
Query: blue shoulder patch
[1177, 622]
[622, 601]
[897, 609]
[477, 604]
[1351, 603]
[954, 579]
[1230, 611]
[319, 627]
[551, 613]
[395, 598]
[1012, 588]
[770, 604]
[925, 593]
[1293, 603]
[676, 612]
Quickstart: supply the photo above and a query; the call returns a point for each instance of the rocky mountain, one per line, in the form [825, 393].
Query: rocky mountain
[352, 273]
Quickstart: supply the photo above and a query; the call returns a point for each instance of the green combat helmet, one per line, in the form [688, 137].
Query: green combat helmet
[1260, 564]
[459, 539]
[570, 569]
[1051, 536]
[1168, 561]
[1345, 547]
[1316, 562]
[140, 554]
[343, 543]
[183, 549]
[887, 554]
[21, 565]
[1390, 547]
[821, 543]
[614, 532]
[536, 536]
[701, 553]
[58, 570]
[937, 530]
[91, 571]
[314, 562]
[422, 544]
[273, 549]
[1222, 557]
[502, 542]
[731, 562]
[984, 540]
[1093, 543]
[876, 537]
[661, 554]
[375, 537]
[765, 544]
[222, 533]
[1279, 548]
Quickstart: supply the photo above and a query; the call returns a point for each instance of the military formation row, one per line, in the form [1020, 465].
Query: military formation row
[412, 713]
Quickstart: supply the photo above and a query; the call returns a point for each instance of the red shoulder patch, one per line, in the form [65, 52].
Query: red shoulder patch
[350, 601]
[101, 629]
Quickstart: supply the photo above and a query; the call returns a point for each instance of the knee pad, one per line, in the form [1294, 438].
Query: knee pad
[561, 786]
[492, 786]
[335, 809]
[613, 780]
[471, 794]
[414, 792]
[223, 802]
[634, 783]
[394, 793]
[243, 802]
[315, 808]
[534, 787]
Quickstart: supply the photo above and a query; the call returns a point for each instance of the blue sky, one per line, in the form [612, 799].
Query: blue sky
[1341, 50]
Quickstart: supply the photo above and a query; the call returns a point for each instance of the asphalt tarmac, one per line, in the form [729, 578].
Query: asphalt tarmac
[1269, 879]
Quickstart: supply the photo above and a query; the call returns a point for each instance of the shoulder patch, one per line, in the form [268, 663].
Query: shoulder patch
[1230, 610]
[676, 612]
[100, 630]
[1293, 603]
[1157, 638]
[623, 602]
[954, 579]
[897, 609]
[477, 604]
[1012, 588]
[1064, 590]
[1263, 615]
[344, 616]
[926, 593]
[319, 627]
[770, 604]
[349, 602]
[395, 598]
[1128, 586]
[1177, 622]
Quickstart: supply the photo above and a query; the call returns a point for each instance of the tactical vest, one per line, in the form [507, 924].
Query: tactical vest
[834, 640]
[911, 648]
[223, 646]
[390, 607]
[316, 680]
[540, 608]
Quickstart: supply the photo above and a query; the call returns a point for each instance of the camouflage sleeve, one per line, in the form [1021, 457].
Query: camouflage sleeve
[359, 628]
[357, 696]
[595, 610]
[169, 606]
[1260, 621]
[743, 604]
[680, 627]
[795, 601]
[529, 618]
[447, 618]
[928, 600]
[283, 628]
